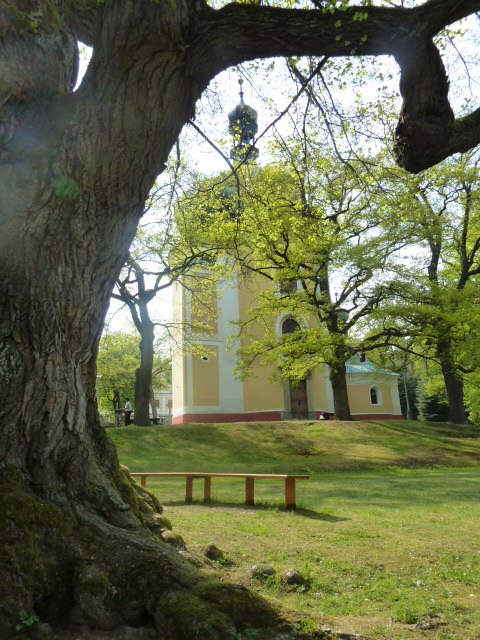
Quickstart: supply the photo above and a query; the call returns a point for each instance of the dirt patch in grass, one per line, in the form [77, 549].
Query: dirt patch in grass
[303, 447]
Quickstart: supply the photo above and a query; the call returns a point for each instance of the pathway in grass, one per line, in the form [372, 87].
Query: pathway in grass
[385, 551]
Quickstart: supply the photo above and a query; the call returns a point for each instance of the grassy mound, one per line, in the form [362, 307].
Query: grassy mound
[297, 446]
[385, 532]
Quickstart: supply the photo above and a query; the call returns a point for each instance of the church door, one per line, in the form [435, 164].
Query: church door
[298, 401]
[298, 394]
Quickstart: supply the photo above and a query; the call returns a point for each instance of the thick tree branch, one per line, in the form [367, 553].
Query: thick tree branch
[241, 32]
[435, 15]
[82, 16]
[244, 32]
[427, 131]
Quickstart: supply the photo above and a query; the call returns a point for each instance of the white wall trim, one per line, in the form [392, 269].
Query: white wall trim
[230, 386]
[378, 391]
[397, 409]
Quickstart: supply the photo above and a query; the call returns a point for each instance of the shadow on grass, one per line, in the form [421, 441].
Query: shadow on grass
[217, 504]
[431, 429]
[315, 515]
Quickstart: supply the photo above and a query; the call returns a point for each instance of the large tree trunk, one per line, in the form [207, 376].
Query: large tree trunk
[338, 369]
[340, 396]
[338, 379]
[143, 375]
[453, 384]
[79, 540]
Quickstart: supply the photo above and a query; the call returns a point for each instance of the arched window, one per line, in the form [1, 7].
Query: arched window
[289, 326]
[375, 396]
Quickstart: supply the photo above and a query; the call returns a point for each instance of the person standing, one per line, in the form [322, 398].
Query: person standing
[128, 411]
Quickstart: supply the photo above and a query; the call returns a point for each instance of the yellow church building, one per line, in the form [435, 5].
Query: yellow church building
[206, 387]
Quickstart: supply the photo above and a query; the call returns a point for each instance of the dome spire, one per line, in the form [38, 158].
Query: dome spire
[240, 82]
[243, 127]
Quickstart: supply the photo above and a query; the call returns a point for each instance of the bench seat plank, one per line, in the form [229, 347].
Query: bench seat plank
[290, 500]
[201, 474]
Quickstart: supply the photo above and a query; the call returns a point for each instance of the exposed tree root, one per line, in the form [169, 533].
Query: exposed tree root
[108, 580]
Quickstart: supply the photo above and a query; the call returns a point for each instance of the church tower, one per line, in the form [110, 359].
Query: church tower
[205, 387]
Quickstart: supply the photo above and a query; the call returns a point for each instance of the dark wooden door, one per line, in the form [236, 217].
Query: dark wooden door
[298, 401]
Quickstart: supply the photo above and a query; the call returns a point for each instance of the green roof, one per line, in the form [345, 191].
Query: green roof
[355, 365]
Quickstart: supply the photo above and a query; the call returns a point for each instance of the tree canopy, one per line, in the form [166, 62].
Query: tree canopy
[427, 130]
[310, 226]
[433, 291]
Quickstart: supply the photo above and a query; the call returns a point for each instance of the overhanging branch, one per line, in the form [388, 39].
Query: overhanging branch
[82, 16]
[427, 131]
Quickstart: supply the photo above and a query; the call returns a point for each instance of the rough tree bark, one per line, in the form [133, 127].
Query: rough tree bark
[77, 538]
[340, 353]
[143, 375]
[444, 348]
[453, 383]
[338, 370]
[338, 379]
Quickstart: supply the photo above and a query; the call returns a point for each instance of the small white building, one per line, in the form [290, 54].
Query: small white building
[163, 404]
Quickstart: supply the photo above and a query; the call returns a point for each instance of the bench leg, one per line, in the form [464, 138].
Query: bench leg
[143, 481]
[189, 489]
[290, 502]
[207, 489]
[249, 491]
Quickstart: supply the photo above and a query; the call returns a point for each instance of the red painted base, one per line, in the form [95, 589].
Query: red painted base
[264, 416]
[376, 416]
[259, 416]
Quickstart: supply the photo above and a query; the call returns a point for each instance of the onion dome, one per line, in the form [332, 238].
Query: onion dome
[243, 127]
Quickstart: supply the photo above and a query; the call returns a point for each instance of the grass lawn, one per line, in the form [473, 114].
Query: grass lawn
[386, 532]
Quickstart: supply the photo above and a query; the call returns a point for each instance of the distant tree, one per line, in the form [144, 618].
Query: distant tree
[408, 394]
[434, 296]
[157, 259]
[434, 407]
[118, 362]
[131, 289]
[472, 397]
[118, 358]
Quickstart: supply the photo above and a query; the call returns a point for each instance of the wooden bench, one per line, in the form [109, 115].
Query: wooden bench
[290, 502]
